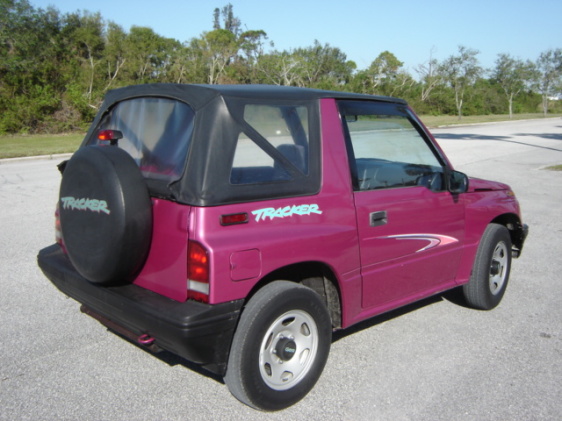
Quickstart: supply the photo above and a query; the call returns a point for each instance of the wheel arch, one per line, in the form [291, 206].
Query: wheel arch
[517, 230]
[317, 276]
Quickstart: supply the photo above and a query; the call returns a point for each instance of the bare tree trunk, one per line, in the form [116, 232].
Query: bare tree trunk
[92, 67]
[545, 104]
[111, 78]
[459, 101]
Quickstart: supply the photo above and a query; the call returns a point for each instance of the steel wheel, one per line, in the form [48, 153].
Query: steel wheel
[490, 272]
[280, 346]
[499, 268]
[288, 350]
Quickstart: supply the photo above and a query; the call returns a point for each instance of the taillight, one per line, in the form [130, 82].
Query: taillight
[111, 136]
[197, 272]
[58, 230]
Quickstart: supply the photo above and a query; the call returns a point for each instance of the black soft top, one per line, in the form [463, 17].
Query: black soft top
[199, 95]
[219, 120]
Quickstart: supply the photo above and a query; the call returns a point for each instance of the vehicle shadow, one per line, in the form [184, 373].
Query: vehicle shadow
[550, 136]
[460, 136]
[171, 359]
[468, 136]
[454, 296]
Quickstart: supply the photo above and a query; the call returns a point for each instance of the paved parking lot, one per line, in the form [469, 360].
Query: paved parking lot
[435, 360]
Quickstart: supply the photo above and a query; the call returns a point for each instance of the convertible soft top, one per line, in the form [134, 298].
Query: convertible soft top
[205, 175]
[199, 95]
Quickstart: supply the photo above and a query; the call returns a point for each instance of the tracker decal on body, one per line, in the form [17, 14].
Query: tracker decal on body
[287, 211]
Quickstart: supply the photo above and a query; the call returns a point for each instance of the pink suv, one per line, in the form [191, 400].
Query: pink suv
[238, 226]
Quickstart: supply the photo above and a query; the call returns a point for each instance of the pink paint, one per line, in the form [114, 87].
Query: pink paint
[165, 271]
[376, 268]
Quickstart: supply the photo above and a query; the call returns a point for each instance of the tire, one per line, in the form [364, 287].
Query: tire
[105, 214]
[490, 273]
[280, 346]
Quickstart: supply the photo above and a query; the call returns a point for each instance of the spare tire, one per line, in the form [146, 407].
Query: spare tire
[105, 215]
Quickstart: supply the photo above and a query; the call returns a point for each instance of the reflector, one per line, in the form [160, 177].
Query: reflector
[236, 218]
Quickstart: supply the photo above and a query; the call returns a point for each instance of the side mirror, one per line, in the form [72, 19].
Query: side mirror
[458, 182]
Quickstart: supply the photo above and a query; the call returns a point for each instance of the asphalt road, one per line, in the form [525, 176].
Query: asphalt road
[433, 361]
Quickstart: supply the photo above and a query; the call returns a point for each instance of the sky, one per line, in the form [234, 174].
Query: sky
[413, 30]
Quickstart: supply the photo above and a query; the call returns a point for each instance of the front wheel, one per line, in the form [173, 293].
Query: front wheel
[490, 272]
[280, 346]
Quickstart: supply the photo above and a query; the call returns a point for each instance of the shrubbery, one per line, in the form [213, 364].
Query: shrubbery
[55, 69]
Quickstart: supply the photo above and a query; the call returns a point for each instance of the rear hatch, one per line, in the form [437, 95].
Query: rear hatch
[156, 132]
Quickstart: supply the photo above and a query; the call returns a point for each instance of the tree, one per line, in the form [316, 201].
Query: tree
[147, 54]
[31, 61]
[384, 68]
[230, 22]
[216, 18]
[219, 47]
[87, 37]
[279, 68]
[229, 54]
[55, 69]
[322, 66]
[252, 47]
[429, 76]
[549, 65]
[461, 72]
[387, 77]
[513, 75]
[114, 53]
[318, 66]
[360, 83]
[251, 43]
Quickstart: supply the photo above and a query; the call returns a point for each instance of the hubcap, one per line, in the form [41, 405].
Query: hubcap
[498, 268]
[285, 349]
[288, 350]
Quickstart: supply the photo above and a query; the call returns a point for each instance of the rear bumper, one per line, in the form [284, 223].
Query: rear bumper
[199, 332]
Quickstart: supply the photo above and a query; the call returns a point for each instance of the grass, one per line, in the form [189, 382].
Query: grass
[34, 145]
[554, 168]
[445, 120]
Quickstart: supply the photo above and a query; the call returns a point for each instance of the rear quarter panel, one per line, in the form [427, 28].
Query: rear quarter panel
[281, 232]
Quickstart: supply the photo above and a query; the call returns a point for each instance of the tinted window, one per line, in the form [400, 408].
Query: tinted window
[387, 149]
[156, 133]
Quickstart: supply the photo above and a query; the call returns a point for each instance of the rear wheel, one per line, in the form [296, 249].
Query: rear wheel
[490, 273]
[280, 347]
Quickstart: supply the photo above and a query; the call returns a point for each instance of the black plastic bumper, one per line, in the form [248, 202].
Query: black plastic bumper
[199, 332]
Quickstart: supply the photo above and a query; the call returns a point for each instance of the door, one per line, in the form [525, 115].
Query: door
[411, 229]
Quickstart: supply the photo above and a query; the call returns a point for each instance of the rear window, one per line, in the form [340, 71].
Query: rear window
[156, 133]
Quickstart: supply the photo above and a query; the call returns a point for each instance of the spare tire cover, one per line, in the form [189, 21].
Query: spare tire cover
[105, 214]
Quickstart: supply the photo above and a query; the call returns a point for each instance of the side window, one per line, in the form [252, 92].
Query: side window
[386, 149]
[156, 133]
[275, 148]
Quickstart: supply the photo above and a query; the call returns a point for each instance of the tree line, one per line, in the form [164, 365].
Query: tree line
[55, 69]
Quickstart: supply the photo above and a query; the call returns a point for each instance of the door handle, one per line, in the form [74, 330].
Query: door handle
[378, 218]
